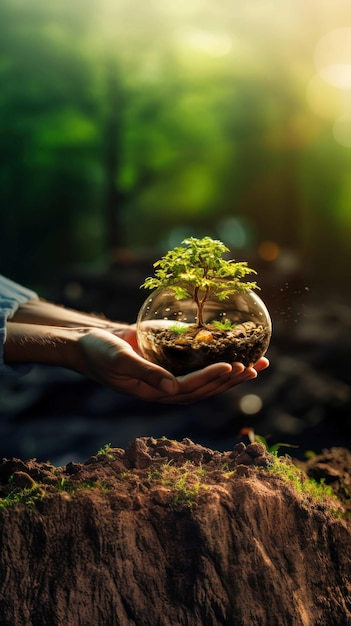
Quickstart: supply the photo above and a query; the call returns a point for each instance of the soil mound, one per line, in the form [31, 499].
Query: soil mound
[169, 533]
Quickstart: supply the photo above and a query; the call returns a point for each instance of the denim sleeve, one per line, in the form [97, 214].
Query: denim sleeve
[11, 296]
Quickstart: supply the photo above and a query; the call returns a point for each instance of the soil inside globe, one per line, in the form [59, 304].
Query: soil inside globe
[185, 352]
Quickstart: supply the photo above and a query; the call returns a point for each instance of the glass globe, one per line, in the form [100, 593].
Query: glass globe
[238, 328]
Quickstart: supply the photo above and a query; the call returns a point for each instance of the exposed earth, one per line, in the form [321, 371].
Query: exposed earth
[169, 533]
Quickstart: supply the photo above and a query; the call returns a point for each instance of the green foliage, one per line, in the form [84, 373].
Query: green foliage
[275, 447]
[199, 265]
[72, 487]
[288, 471]
[179, 329]
[28, 496]
[223, 325]
[156, 110]
[197, 270]
[186, 481]
[31, 495]
[106, 450]
[185, 491]
[303, 484]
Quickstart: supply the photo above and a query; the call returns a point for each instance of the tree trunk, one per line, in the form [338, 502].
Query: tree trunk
[113, 151]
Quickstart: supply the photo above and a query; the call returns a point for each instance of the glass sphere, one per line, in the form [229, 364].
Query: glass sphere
[238, 328]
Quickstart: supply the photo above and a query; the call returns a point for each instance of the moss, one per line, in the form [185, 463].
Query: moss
[186, 481]
[30, 496]
[106, 450]
[290, 473]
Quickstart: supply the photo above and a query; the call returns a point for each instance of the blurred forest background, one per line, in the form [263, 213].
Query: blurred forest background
[129, 125]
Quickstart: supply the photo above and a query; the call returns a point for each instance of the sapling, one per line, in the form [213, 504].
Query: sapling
[220, 318]
[197, 270]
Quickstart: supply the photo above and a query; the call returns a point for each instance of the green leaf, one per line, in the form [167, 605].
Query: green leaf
[181, 293]
[197, 270]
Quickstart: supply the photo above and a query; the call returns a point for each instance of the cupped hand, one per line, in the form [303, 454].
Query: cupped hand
[114, 361]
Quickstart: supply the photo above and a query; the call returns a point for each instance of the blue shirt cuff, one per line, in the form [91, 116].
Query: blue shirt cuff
[12, 295]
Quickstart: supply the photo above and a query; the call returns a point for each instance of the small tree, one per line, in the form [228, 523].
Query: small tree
[198, 271]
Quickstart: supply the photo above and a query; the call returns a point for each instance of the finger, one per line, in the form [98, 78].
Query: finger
[206, 375]
[216, 382]
[191, 387]
[227, 382]
[134, 366]
[261, 364]
[207, 382]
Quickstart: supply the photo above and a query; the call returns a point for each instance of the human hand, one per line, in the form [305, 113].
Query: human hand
[213, 380]
[114, 361]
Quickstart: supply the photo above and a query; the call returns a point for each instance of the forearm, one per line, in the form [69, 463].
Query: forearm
[48, 314]
[36, 343]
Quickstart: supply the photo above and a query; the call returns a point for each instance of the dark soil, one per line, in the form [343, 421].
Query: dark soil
[169, 533]
[199, 347]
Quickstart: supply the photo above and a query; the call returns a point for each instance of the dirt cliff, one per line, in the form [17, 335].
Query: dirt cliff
[169, 533]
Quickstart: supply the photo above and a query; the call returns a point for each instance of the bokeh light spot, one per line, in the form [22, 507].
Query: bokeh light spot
[268, 250]
[213, 44]
[342, 130]
[250, 404]
[73, 291]
[235, 232]
[323, 99]
[333, 58]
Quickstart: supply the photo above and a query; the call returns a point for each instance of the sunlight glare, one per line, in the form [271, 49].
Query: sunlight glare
[333, 58]
[214, 44]
[323, 99]
[342, 131]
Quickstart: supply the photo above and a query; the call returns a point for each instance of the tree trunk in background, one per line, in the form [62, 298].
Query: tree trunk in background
[114, 196]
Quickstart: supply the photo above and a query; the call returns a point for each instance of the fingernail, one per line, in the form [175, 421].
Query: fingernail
[168, 386]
